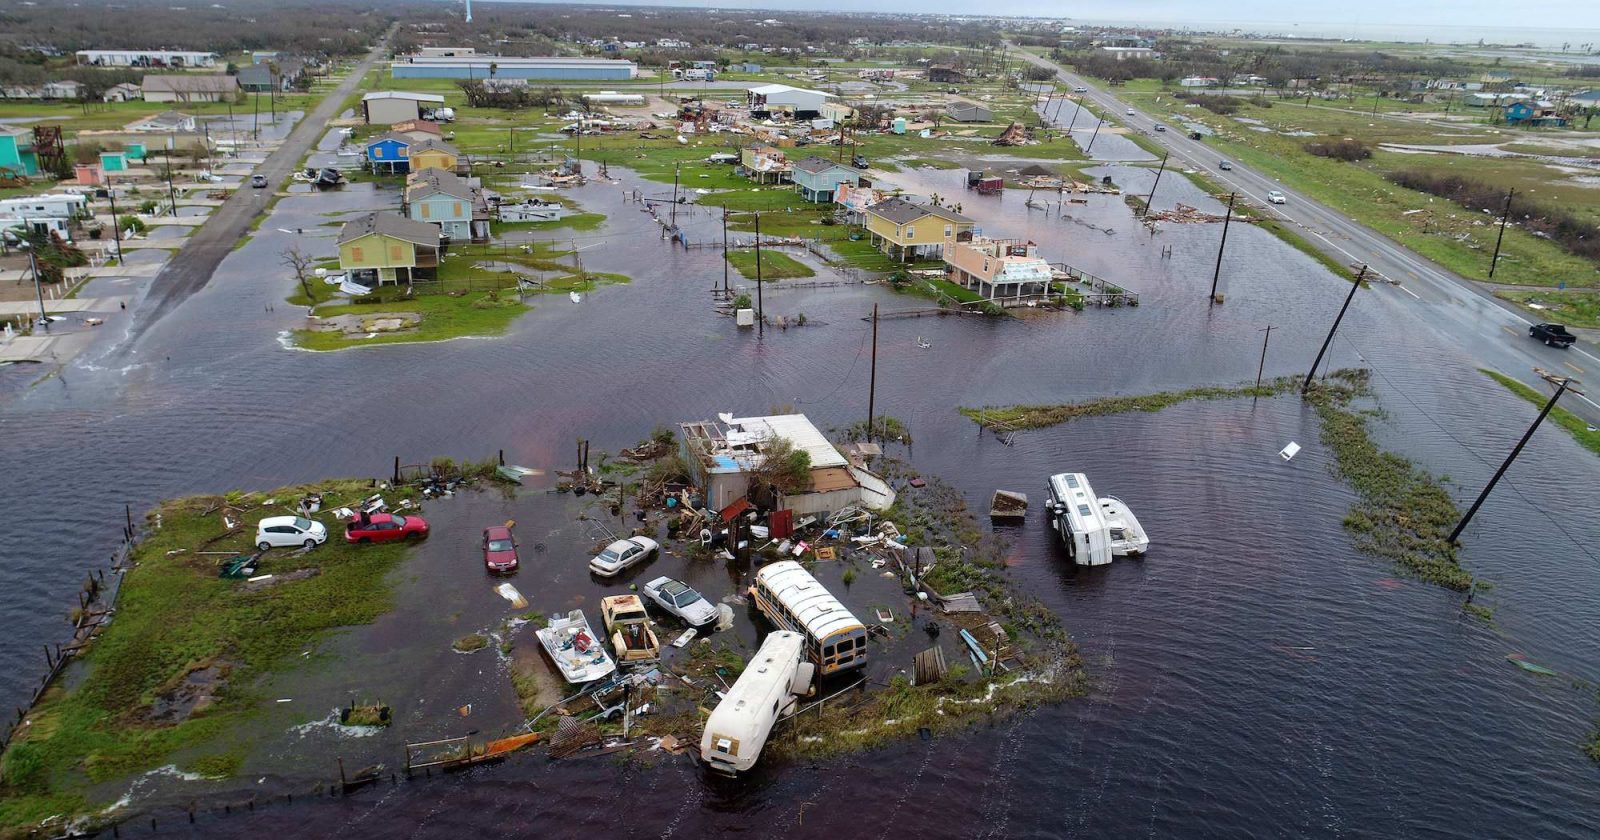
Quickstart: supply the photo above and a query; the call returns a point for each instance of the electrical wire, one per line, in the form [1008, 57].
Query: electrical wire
[840, 386]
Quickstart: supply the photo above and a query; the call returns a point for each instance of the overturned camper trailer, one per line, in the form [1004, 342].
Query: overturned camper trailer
[1074, 512]
[739, 726]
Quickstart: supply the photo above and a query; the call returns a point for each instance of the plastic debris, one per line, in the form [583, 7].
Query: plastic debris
[1289, 451]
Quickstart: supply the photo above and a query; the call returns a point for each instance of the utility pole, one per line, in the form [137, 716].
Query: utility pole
[872, 382]
[1074, 120]
[1306, 386]
[761, 311]
[1505, 215]
[255, 125]
[1152, 198]
[233, 127]
[724, 251]
[1217, 274]
[116, 227]
[1263, 366]
[38, 289]
[172, 192]
[1460, 526]
[674, 198]
[1089, 148]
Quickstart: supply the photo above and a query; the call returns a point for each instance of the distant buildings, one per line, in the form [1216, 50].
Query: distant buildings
[147, 58]
[968, 112]
[17, 155]
[387, 107]
[123, 92]
[166, 122]
[260, 77]
[553, 68]
[1125, 53]
[799, 103]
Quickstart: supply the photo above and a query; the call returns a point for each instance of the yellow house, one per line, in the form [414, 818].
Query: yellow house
[907, 231]
[434, 154]
[387, 247]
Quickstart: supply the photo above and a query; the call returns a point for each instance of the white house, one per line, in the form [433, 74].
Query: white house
[51, 206]
[123, 92]
[166, 122]
[724, 453]
[798, 102]
[1197, 82]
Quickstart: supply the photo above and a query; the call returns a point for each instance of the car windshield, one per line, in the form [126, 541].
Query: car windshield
[499, 545]
[302, 524]
[608, 556]
[687, 597]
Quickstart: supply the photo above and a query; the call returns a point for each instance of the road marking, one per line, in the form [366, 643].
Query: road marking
[1574, 367]
[1408, 291]
[1510, 331]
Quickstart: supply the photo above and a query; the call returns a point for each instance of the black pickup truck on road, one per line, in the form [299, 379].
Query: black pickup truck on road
[1554, 335]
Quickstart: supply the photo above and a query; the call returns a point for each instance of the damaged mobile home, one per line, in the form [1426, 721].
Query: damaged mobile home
[723, 455]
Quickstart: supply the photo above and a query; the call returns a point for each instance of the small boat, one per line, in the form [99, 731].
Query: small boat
[1127, 535]
[578, 653]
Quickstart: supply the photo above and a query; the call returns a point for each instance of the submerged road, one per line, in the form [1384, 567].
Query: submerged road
[193, 266]
[1492, 330]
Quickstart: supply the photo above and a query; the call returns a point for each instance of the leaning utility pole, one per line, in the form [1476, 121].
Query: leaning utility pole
[724, 251]
[1152, 198]
[1306, 386]
[1505, 214]
[1263, 366]
[872, 382]
[674, 198]
[1217, 274]
[116, 226]
[1089, 148]
[1460, 526]
[761, 312]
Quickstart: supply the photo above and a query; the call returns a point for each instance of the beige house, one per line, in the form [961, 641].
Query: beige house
[190, 87]
[1000, 270]
[907, 231]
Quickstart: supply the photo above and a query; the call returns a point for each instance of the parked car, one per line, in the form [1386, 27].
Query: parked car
[385, 527]
[859, 161]
[677, 598]
[499, 549]
[1276, 197]
[258, 181]
[1225, 165]
[623, 554]
[1554, 335]
[288, 531]
[1160, 127]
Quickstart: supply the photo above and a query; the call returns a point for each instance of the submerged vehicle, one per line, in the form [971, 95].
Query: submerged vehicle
[633, 637]
[577, 652]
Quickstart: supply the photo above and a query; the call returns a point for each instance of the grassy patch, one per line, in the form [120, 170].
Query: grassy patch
[1575, 308]
[576, 221]
[471, 642]
[1575, 425]
[775, 265]
[1013, 417]
[444, 316]
[174, 615]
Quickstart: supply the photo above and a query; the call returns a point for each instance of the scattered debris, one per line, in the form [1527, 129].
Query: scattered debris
[1008, 504]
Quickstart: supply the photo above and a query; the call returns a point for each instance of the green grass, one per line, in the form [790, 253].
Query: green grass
[775, 265]
[1575, 425]
[173, 615]
[575, 222]
[1574, 308]
[1042, 416]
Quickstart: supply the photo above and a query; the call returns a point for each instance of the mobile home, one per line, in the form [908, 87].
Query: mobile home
[739, 726]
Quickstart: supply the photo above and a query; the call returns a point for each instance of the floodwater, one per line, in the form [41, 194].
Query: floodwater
[1254, 675]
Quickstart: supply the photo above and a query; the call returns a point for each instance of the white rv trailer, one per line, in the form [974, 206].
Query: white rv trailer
[739, 726]
[1074, 512]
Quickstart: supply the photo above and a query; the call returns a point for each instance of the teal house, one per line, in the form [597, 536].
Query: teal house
[113, 161]
[16, 152]
[449, 201]
[817, 178]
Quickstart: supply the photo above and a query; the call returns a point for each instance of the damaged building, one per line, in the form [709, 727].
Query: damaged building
[723, 455]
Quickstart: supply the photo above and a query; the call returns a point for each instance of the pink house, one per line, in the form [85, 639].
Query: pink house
[998, 269]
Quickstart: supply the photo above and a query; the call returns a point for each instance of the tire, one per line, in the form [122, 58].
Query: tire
[264, 545]
[413, 536]
[310, 544]
[364, 540]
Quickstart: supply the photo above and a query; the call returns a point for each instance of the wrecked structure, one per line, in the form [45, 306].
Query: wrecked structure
[726, 454]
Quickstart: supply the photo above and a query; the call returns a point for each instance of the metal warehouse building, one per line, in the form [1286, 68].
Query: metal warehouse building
[510, 67]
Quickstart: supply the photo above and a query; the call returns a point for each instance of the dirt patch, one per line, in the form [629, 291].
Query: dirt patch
[191, 692]
[538, 686]
[274, 580]
[368, 323]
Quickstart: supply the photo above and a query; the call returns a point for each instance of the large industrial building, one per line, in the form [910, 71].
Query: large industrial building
[554, 68]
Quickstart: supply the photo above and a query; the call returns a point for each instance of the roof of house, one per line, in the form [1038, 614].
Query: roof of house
[817, 165]
[390, 135]
[957, 109]
[165, 119]
[260, 74]
[769, 90]
[901, 212]
[191, 83]
[795, 428]
[422, 126]
[400, 94]
[390, 224]
[432, 144]
[430, 181]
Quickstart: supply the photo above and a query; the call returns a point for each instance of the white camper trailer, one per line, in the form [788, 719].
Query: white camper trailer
[739, 726]
[1075, 513]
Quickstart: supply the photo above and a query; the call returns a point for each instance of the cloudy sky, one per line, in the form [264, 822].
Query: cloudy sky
[1539, 14]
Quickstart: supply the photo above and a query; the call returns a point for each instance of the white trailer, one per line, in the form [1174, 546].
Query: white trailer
[739, 726]
[1075, 514]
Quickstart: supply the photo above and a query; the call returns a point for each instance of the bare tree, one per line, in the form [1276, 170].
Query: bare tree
[301, 266]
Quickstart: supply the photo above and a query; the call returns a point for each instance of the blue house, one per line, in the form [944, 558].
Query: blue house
[1533, 113]
[389, 152]
[817, 178]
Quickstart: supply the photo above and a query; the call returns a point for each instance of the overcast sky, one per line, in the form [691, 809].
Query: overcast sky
[1538, 14]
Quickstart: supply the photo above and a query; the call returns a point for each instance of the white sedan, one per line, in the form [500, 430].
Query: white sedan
[289, 531]
[623, 554]
[1276, 197]
[678, 598]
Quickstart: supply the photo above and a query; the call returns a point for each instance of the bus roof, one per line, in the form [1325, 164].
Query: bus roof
[822, 613]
